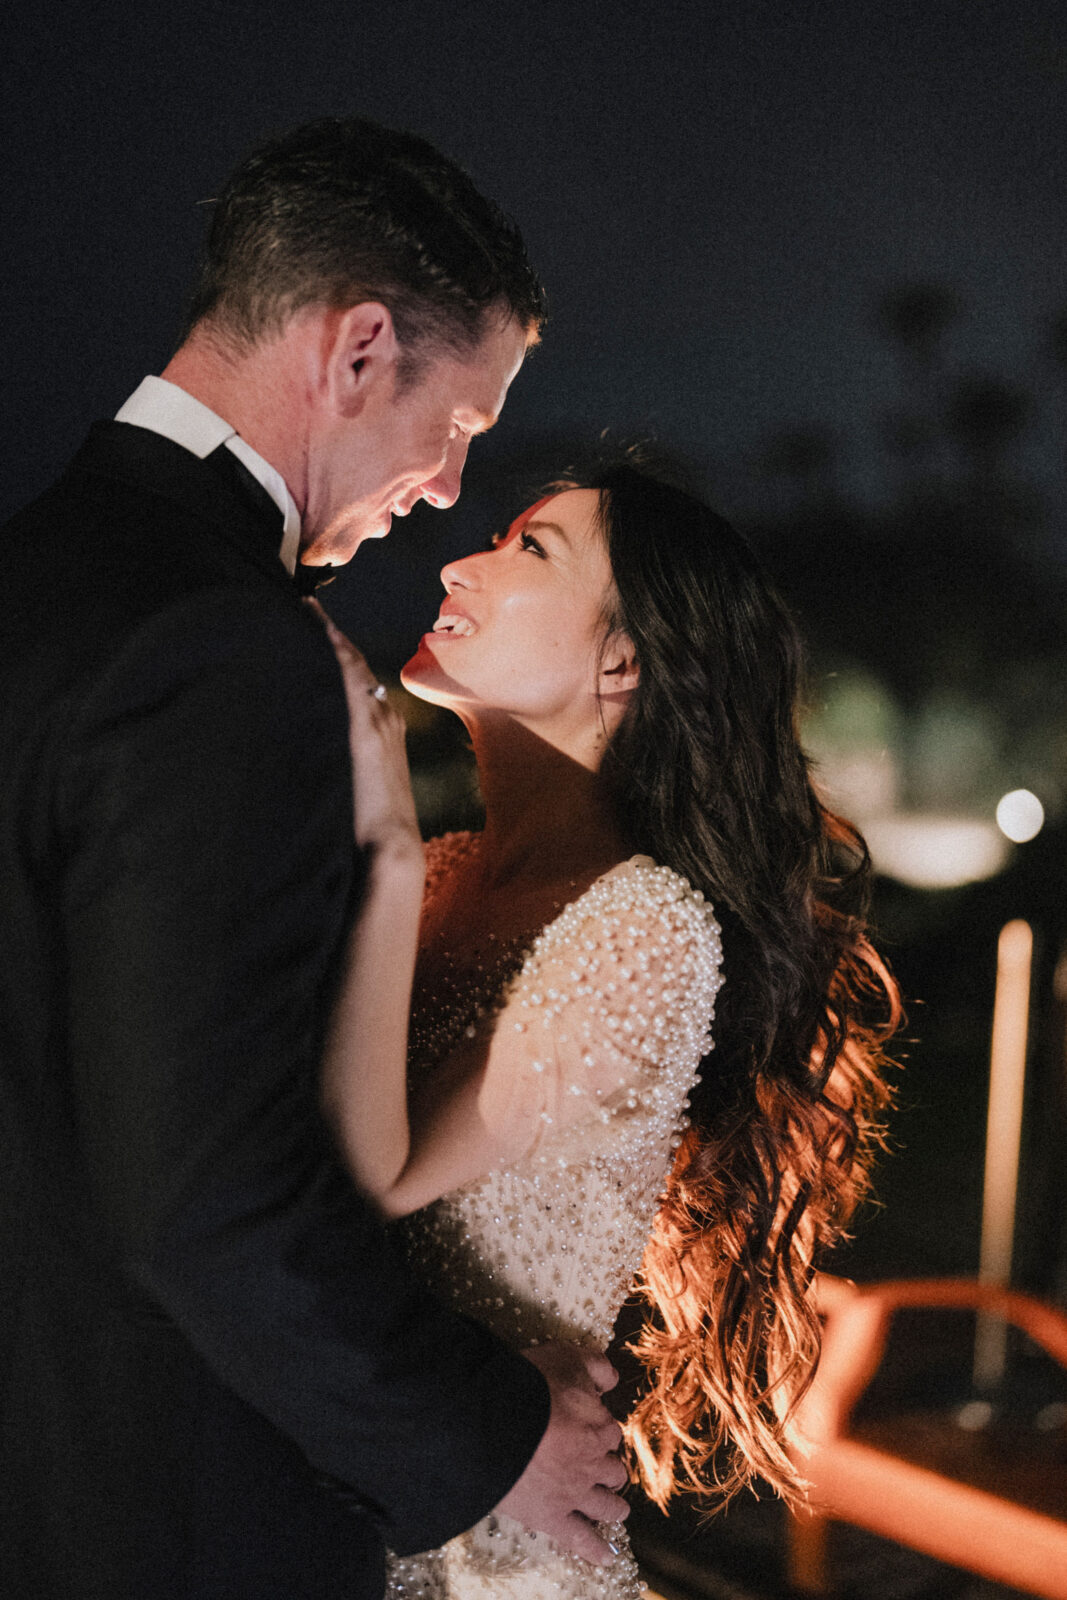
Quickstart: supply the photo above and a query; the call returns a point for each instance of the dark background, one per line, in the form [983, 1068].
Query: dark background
[716, 196]
[815, 248]
[720, 198]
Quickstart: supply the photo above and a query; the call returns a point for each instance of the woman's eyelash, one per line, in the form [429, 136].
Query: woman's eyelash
[526, 542]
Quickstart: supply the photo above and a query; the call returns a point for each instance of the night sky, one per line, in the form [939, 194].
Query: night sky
[715, 195]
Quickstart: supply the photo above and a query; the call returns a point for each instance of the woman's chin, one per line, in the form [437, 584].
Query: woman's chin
[422, 677]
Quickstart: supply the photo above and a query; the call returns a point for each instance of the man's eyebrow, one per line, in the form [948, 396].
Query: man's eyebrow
[485, 421]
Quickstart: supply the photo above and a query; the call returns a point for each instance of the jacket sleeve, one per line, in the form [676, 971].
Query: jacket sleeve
[207, 875]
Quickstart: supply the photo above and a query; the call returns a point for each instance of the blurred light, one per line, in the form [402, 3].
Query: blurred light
[931, 850]
[859, 786]
[975, 1415]
[1004, 1126]
[1020, 815]
[1051, 1416]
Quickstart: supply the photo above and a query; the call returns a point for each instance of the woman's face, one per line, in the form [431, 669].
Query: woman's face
[521, 624]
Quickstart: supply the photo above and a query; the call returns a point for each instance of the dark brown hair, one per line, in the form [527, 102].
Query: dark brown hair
[708, 772]
[341, 210]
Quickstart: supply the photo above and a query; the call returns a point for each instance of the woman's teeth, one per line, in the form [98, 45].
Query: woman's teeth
[453, 624]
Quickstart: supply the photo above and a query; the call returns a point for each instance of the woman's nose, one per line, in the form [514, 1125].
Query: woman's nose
[461, 574]
[467, 572]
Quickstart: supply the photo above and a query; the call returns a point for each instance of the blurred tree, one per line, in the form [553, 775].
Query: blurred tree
[938, 595]
[1058, 350]
[985, 416]
[914, 318]
[805, 461]
[1058, 338]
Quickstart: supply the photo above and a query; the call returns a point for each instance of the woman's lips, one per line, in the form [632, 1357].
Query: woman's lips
[453, 625]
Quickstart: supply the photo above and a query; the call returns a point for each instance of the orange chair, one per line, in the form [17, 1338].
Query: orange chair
[899, 1487]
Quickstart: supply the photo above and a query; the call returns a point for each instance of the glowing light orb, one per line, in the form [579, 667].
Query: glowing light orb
[1020, 815]
[932, 851]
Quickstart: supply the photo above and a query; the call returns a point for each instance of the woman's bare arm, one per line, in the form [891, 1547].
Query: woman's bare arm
[364, 1068]
[569, 1484]
[402, 1162]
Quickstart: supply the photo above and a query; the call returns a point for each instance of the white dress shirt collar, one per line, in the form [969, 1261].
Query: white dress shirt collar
[163, 408]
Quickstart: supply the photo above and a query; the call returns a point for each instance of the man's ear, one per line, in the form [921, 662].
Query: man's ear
[360, 356]
[619, 671]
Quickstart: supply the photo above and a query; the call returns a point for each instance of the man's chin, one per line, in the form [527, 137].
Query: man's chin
[337, 549]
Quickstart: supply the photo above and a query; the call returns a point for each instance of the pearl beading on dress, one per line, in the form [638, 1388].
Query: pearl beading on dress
[612, 1004]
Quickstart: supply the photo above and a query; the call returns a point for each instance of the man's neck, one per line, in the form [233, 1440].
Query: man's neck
[255, 392]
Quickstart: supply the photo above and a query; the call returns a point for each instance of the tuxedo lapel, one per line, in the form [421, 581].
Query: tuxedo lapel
[217, 490]
[239, 480]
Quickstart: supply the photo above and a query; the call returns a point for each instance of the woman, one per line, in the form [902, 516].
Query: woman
[629, 683]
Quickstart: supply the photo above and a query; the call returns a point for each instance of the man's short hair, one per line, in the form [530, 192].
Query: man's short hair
[340, 211]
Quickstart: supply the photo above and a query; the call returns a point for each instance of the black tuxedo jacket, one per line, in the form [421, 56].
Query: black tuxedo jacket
[215, 1379]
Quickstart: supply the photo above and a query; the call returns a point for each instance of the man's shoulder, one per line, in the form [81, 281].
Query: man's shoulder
[115, 460]
[124, 475]
[132, 524]
[116, 564]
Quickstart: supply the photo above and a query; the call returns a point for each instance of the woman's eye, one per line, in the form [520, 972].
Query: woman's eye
[528, 542]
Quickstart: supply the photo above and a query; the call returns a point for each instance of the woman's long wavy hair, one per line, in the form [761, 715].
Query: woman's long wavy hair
[708, 773]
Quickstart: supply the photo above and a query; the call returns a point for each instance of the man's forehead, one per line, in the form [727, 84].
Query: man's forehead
[496, 361]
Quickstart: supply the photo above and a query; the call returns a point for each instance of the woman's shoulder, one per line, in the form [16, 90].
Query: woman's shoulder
[645, 908]
[634, 962]
[656, 894]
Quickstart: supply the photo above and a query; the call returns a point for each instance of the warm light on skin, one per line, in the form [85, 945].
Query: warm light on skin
[374, 455]
[1020, 816]
[527, 616]
[318, 401]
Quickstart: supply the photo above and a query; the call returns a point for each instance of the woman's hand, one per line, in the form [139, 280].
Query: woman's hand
[364, 1088]
[384, 807]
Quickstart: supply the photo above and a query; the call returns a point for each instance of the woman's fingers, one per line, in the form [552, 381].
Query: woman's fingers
[384, 809]
[358, 677]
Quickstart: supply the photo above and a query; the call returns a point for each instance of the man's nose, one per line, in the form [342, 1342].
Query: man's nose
[442, 490]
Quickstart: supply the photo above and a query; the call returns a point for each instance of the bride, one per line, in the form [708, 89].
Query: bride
[552, 1126]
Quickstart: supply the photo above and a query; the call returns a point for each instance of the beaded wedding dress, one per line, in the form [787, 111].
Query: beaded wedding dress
[605, 1018]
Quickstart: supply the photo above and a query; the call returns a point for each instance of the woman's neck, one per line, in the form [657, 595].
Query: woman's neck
[548, 817]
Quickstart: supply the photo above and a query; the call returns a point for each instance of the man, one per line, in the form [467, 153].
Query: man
[217, 1380]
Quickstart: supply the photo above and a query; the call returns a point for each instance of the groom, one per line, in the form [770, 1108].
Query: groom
[216, 1381]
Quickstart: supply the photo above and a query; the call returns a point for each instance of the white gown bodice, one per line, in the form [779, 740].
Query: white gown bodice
[605, 1018]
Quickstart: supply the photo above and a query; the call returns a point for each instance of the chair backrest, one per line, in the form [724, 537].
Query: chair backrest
[856, 1325]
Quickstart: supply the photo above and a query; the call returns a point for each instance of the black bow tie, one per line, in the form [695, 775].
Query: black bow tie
[237, 475]
[308, 579]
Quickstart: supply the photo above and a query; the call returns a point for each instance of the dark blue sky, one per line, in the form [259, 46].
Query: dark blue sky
[715, 194]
